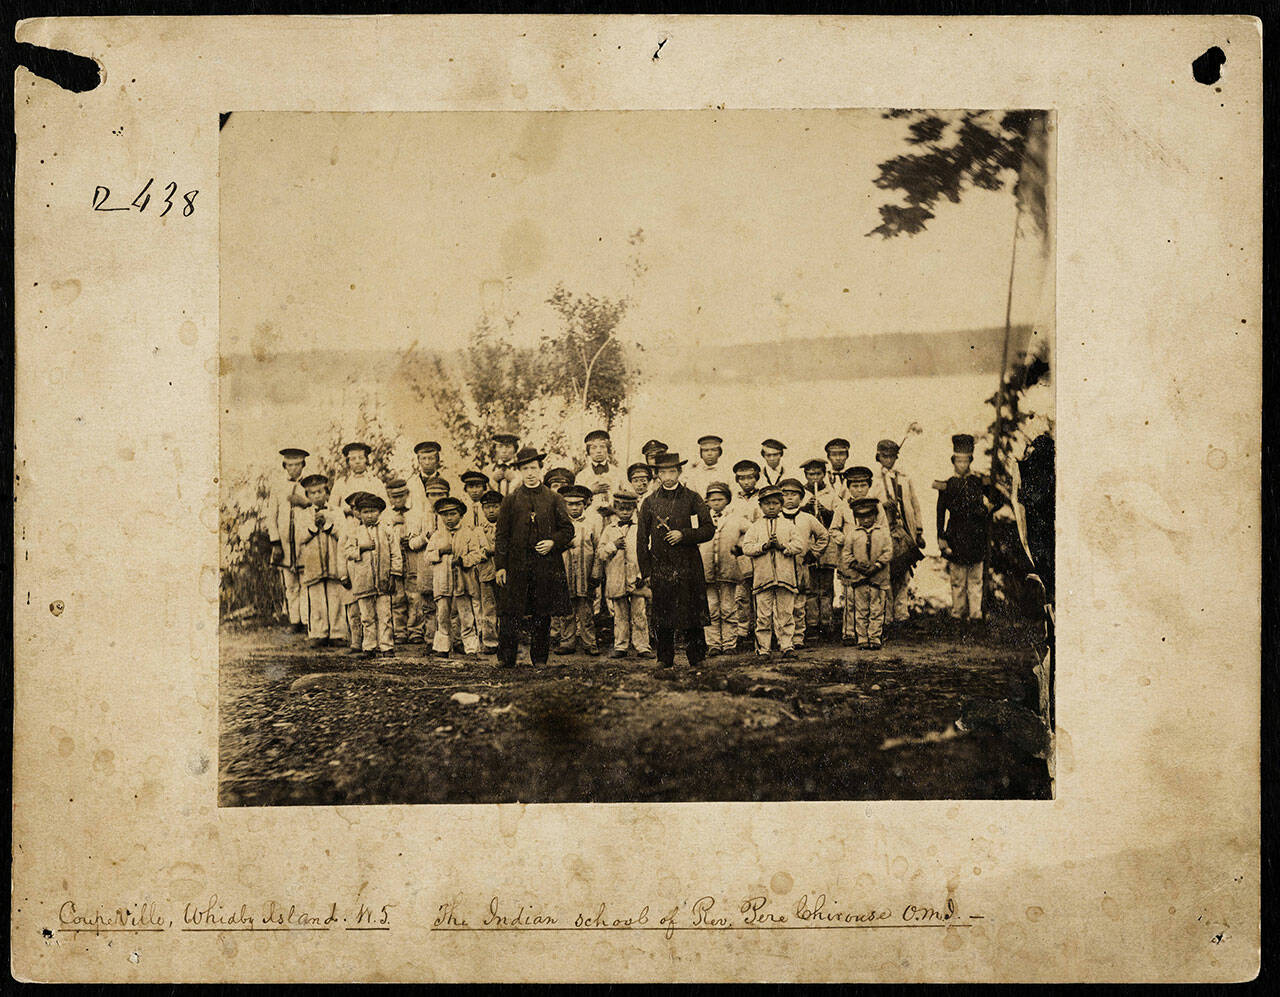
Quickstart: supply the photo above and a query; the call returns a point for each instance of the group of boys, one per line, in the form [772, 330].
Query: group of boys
[793, 559]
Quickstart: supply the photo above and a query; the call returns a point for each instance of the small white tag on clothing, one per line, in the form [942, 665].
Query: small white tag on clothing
[693, 521]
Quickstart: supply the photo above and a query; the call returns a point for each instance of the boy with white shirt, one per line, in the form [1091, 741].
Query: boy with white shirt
[773, 472]
[890, 485]
[621, 567]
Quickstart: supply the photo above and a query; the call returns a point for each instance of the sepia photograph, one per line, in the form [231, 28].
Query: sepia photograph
[636, 456]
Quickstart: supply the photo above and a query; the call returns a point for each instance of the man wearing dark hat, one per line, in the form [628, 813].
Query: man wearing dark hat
[674, 520]
[891, 487]
[504, 475]
[533, 531]
[964, 527]
[773, 472]
[288, 498]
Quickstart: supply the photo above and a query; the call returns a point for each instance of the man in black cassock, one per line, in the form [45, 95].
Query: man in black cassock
[674, 520]
[532, 533]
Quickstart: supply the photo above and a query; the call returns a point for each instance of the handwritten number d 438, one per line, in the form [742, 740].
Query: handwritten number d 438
[102, 194]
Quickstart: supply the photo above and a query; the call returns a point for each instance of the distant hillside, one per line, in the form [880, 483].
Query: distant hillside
[966, 351]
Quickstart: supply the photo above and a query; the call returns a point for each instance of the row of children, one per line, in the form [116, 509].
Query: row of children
[435, 566]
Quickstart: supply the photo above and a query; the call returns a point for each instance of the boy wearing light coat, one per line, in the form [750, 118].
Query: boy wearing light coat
[775, 546]
[618, 553]
[288, 498]
[582, 570]
[323, 563]
[722, 568]
[453, 552]
[373, 558]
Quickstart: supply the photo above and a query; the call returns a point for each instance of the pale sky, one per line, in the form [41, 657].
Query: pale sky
[343, 230]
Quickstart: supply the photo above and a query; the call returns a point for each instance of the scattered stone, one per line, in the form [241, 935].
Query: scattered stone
[465, 698]
[625, 694]
[445, 729]
[334, 680]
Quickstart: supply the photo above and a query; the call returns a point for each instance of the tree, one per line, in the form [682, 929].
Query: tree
[986, 150]
[586, 361]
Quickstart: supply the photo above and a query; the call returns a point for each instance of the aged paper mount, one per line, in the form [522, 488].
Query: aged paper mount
[1145, 866]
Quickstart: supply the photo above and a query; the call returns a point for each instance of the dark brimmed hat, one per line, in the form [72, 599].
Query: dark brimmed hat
[491, 497]
[838, 443]
[395, 485]
[435, 482]
[710, 440]
[623, 494]
[770, 492]
[596, 434]
[474, 475]
[508, 438]
[294, 453]
[887, 447]
[528, 455]
[639, 466]
[962, 444]
[746, 465]
[427, 446]
[791, 485]
[865, 507]
[346, 451]
[367, 500]
[449, 502]
[668, 458]
[558, 474]
[577, 491]
[314, 480]
[813, 462]
[858, 473]
[721, 487]
[772, 444]
[652, 447]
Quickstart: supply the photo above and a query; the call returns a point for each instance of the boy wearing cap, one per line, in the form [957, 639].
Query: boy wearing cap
[814, 535]
[826, 505]
[775, 546]
[287, 498]
[892, 486]
[582, 570]
[706, 469]
[505, 475]
[639, 475]
[964, 524]
[323, 563]
[837, 450]
[598, 472]
[373, 557]
[721, 565]
[745, 503]
[359, 477]
[622, 587]
[421, 523]
[864, 565]
[773, 472]
[487, 613]
[453, 553]
[398, 497]
[474, 484]
[857, 485]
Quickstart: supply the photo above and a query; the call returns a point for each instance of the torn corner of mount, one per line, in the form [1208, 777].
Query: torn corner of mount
[73, 72]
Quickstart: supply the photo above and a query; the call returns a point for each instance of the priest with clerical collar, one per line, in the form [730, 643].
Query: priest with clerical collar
[674, 520]
[531, 535]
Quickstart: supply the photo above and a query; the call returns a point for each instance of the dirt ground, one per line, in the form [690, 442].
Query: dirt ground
[935, 714]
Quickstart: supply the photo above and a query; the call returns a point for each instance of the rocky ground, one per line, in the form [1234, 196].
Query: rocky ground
[937, 714]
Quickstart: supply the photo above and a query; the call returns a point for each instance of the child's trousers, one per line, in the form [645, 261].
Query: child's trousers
[722, 601]
[292, 578]
[630, 622]
[869, 603]
[446, 607]
[375, 621]
[487, 618]
[745, 609]
[580, 623]
[775, 617]
[399, 609]
[325, 618]
[819, 612]
[966, 590]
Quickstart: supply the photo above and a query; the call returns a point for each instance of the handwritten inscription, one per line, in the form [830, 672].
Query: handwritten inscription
[213, 914]
[166, 194]
[704, 913]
